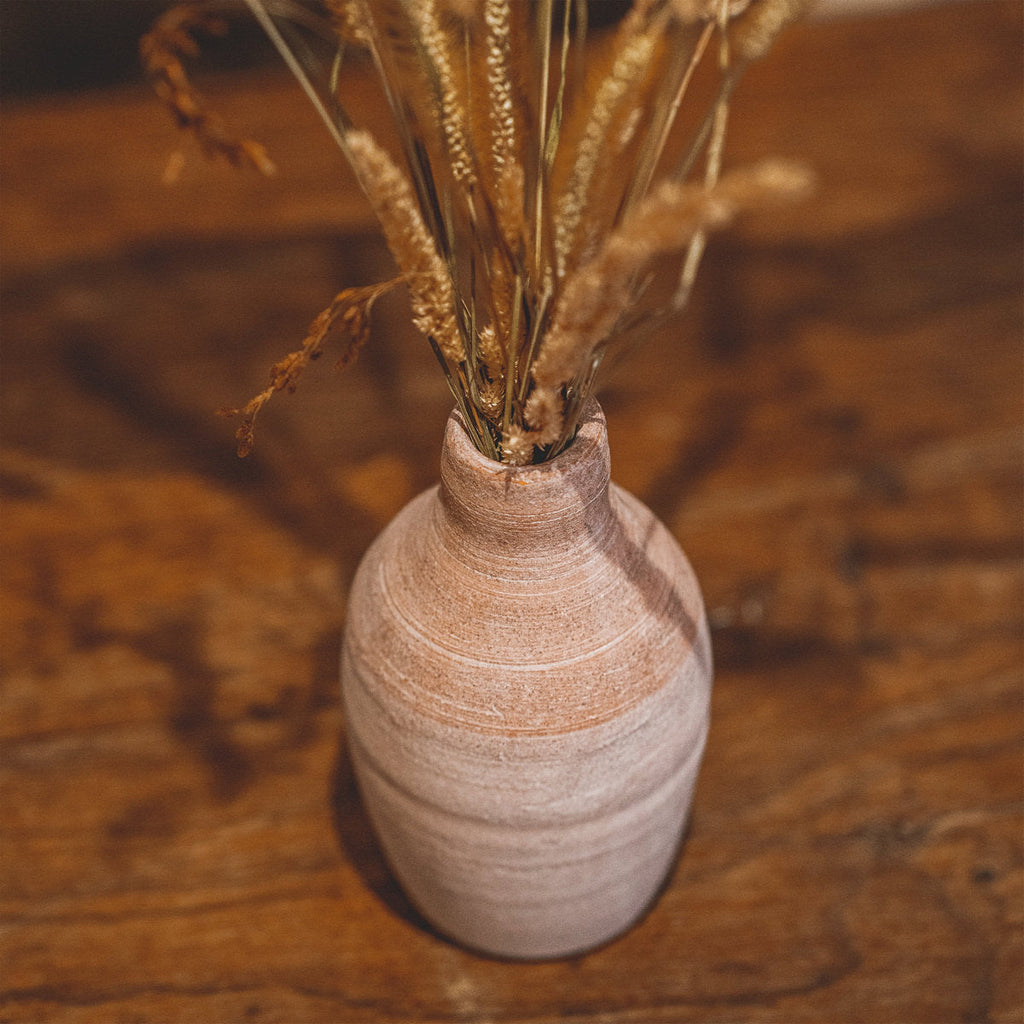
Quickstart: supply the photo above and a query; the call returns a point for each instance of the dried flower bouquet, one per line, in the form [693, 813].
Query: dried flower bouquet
[533, 190]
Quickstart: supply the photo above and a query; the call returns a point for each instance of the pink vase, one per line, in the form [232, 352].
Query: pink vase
[526, 675]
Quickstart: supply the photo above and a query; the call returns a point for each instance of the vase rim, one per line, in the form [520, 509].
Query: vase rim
[515, 496]
[591, 433]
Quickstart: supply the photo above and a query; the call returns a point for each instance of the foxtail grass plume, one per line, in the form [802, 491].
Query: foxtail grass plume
[535, 180]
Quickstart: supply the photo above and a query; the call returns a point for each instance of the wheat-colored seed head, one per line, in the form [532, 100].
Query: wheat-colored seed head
[595, 296]
[430, 287]
[492, 398]
[531, 187]
[451, 115]
[545, 415]
[349, 20]
[509, 195]
[756, 30]
[626, 75]
[498, 19]
[517, 447]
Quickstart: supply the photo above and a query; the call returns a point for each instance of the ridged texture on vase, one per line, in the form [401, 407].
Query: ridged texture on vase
[526, 676]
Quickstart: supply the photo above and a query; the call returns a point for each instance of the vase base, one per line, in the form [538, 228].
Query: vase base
[558, 942]
[541, 892]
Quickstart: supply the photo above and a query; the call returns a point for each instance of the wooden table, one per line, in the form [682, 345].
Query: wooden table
[833, 434]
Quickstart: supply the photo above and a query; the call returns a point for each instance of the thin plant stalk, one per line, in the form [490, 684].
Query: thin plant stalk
[268, 25]
[525, 234]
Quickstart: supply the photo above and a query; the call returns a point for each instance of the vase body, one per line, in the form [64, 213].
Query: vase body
[526, 674]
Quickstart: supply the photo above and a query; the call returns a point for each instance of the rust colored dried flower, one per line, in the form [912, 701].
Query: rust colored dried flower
[162, 51]
[350, 312]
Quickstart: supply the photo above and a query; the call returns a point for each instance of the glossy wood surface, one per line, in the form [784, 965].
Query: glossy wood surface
[833, 434]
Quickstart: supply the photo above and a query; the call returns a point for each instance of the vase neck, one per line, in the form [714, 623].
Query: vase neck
[543, 505]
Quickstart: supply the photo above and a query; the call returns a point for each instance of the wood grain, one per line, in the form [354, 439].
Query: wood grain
[833, 435]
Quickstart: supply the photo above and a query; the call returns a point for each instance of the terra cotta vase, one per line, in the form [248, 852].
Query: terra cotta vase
[526, 675]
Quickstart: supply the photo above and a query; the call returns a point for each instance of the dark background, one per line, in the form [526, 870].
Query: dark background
[50, 46]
